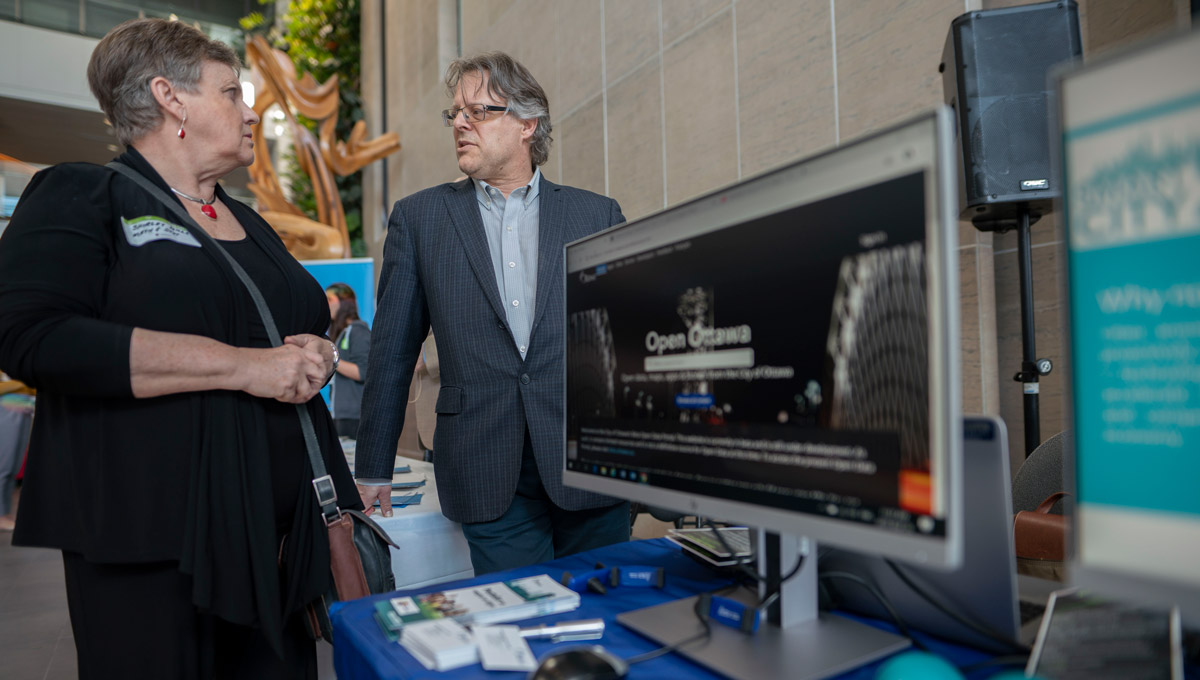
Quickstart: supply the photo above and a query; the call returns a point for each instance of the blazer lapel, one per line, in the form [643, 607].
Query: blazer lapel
[551, 213]
[464, 213]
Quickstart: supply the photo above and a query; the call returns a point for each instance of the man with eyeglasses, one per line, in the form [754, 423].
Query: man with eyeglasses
[480, 260]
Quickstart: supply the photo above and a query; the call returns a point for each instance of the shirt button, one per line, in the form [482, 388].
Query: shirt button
[516, 303]
[509, 227]
[522, 349]
[511, 265]
[524, 378]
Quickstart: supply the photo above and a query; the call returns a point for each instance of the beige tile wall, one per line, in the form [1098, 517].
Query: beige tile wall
[635, 140]
[887, 62]
[700, 108]
[657, 101]
[783, 41]
[581, 144]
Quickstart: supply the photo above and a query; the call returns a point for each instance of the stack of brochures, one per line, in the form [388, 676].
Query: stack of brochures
[405, 500]
[704, 544]
[520, 598]
[440, 644]
[407, 480]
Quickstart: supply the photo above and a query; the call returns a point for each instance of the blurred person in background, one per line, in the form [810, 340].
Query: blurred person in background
[353, 339]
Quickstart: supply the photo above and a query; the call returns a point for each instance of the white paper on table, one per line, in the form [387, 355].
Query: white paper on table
[501, 648]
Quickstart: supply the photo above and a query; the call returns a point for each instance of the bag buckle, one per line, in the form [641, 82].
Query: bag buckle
[327, 498]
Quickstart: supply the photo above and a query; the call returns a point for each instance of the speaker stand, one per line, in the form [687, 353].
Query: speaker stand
[1031, 367]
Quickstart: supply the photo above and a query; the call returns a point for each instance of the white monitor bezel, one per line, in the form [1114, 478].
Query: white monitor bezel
[1132, 581]
[925, 142]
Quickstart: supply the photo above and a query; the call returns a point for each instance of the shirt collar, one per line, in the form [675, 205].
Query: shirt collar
[483, 190]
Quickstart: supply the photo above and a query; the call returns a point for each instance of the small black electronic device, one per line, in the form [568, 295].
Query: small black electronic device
[584, 662]
[730, 612]
[587, 581]
[635, 575]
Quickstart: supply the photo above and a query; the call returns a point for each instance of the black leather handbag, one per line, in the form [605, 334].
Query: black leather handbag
[359, 557]
[361, 565]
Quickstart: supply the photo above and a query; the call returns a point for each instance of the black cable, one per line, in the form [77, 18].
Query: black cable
[667, 649]
[655, 653]
[795, 570]
[739, 562]
[871, 588]
[984, 630]
[769, 598]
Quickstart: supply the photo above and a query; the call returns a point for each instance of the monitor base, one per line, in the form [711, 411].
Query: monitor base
[808, 650]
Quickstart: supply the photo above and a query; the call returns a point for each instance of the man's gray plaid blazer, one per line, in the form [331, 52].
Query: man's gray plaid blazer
[437, 271]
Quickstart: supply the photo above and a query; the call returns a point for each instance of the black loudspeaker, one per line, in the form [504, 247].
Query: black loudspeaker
[994, 71]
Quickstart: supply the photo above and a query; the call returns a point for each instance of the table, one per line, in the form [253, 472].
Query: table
[432, 548]
[362, 653]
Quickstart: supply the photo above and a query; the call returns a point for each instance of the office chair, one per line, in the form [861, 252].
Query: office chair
[1042, 473]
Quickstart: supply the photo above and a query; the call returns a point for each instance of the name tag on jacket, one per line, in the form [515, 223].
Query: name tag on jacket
[143, 230]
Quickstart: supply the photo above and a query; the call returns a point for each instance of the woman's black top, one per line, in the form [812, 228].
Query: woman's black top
[196, 477]
[283, 427]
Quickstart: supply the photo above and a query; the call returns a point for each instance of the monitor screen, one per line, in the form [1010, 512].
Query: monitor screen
[782, 352]
[1130, 157]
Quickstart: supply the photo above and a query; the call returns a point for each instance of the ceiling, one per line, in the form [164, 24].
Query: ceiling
[45, 134]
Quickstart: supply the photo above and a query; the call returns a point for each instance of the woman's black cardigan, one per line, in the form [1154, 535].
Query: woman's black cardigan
[87, 257]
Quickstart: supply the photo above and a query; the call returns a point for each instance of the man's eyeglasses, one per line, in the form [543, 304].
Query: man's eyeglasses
[474, 113]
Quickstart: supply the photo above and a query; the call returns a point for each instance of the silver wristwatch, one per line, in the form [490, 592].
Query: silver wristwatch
[337, 356]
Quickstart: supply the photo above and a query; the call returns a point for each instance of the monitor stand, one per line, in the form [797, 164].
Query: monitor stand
[798, 643]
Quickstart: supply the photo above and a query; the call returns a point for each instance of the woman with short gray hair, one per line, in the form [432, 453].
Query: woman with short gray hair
[167, 460]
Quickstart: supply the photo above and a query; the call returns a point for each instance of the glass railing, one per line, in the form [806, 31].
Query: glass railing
[95, 18]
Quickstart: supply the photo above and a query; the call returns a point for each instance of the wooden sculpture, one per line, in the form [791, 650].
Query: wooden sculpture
[327, 236]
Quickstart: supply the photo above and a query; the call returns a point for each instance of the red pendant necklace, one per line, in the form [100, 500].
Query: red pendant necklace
[206, 207]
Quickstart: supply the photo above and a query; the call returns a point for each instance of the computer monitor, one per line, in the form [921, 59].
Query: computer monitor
[1130, 159]
[783, 353]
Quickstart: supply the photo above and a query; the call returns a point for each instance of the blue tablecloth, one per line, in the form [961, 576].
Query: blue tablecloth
[361, 652]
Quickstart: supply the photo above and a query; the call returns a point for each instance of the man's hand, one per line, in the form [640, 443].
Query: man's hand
[369, 493]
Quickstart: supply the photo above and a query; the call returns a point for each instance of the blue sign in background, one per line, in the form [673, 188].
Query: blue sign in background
[359, 274]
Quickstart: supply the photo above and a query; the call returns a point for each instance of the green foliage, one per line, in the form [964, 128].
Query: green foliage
[322, 38]
[251, 21]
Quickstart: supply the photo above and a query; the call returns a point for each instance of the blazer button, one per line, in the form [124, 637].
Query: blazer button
[500, 325]
[524, 378]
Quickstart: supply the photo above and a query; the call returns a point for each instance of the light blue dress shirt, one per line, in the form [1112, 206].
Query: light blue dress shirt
[511, 225]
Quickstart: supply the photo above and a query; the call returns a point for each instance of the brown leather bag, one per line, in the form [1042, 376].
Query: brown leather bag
[360, 563]
[1039, 535]
[345, 563]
